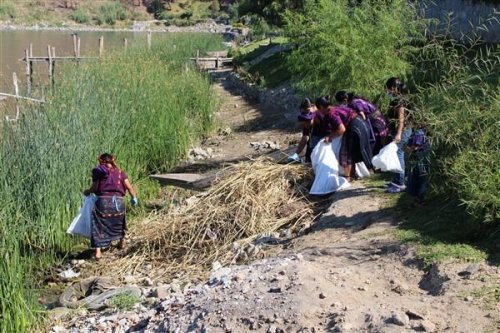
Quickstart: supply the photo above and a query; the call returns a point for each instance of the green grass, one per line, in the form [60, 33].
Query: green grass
[440, 231]
[273, 70]
[124, 302]
[7, 10]
[146, 107]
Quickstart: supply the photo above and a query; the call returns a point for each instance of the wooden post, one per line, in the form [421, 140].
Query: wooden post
[31, 65]
[197, 57]
[78, 46]
[28, 70]
[217, 61]
[125, 43]
[53, 54]
[101, 46]
[49, 53]
[16, 91]
[75, 47]
[149, 40]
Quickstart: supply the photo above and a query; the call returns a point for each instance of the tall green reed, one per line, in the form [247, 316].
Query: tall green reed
[145, 107]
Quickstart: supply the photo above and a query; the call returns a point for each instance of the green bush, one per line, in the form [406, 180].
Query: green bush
[7, 10]
[81, 16]
[341, 46]
[110, 12]
[124, 302]
[459, 101]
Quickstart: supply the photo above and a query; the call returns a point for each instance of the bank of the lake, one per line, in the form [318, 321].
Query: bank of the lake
[143, 106]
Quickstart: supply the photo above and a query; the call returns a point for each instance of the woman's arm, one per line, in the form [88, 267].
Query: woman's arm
[338, 132]
[92, 189]
[303, 142]
[401, 123]
[129, 188]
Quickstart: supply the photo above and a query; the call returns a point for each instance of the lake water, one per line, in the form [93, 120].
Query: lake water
[13, 44]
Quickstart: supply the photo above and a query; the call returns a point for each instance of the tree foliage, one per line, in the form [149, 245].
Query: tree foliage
[353, 45]
[270, 10]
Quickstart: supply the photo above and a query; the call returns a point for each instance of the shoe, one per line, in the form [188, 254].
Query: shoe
[396, 189]
[389, 184]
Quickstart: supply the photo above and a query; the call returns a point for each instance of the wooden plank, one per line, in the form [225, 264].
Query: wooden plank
[44, 58]
[185, 180]
[16, 90]
[5, 95]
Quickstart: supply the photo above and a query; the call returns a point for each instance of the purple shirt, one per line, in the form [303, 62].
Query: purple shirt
[341, 115]
[109, 181]
[360, 105]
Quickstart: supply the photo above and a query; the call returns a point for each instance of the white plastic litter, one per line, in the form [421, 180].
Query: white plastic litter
[326, 168]
[82, 223]
[68, 274]
[387, 159]
[362, 170]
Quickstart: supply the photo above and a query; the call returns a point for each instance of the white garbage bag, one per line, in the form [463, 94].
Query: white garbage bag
[361, 170]
[326, 168]
[387, 159]
[82, 223]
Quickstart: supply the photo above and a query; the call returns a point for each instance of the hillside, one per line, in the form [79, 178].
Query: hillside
[118, 14]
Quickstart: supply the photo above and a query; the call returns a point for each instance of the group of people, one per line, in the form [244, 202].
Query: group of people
[364, 131]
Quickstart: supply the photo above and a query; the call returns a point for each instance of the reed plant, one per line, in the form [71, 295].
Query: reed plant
[144, 106]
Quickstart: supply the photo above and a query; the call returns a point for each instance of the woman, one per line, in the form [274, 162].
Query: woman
[305, 119]
[355, 147]
[375, 121]
[398, 127]
[110, 185]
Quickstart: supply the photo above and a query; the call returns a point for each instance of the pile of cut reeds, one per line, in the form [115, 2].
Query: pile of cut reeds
[251, 198]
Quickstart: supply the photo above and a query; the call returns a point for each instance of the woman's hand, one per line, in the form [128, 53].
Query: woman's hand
[397, 139]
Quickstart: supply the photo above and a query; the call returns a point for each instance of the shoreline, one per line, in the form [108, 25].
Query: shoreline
[209, 27]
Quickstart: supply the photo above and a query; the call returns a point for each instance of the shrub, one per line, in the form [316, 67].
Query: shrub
[459, 101]
[80, 16]
[124, 302]
[340, 46]
[7, 10]
[110, 12]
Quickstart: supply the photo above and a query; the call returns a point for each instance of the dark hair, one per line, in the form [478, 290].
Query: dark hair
[107, 158]
[392, 82]
[306, 104]
[322, 102]
[341, 96]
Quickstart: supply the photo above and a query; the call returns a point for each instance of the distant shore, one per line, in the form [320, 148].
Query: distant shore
[142, 26]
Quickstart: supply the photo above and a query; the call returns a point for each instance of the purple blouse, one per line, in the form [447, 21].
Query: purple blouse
[341, 115]
[109, 181]
[360, 105]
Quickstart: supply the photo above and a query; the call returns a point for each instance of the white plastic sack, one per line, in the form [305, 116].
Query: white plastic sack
[82, 223]
[326, 168]
[387, 159]
[361, 170]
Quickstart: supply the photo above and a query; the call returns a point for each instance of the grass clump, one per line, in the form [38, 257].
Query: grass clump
[144, 106]
[124, 302]
[7, 10]
[81, 16]
[110, 12]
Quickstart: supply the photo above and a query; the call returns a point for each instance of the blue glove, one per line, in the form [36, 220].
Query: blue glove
[134, 202]
[295, 157]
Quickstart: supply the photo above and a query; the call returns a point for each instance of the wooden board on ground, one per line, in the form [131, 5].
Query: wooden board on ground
[200, 182]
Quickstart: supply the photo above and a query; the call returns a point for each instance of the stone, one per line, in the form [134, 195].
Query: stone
[271, 329]
[129, 279]
[148, 282]
[58, 314]
[162, 292]
[470, 270]
[469, 299]
[59, 329]
[399, 319]
[322, 296]
[427, 326]
[275, 290]
[216, 265]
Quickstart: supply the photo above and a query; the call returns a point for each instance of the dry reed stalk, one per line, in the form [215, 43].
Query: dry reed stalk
[251, 198]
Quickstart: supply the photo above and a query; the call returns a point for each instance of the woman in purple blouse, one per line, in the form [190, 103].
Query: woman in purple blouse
[110, 185]
[341, 120]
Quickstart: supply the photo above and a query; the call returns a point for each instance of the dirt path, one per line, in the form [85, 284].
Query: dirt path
[345, 273]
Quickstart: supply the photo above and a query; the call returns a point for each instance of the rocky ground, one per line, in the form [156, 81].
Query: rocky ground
[344, 273]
